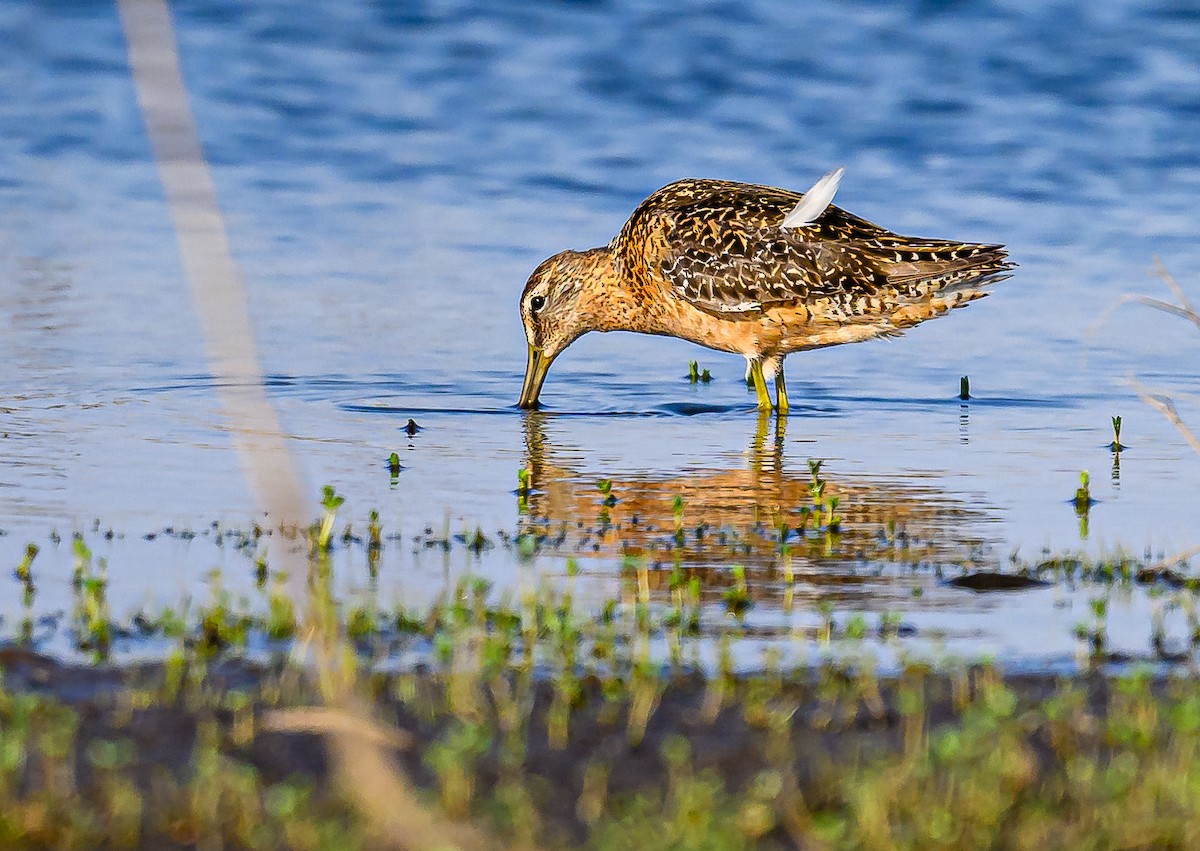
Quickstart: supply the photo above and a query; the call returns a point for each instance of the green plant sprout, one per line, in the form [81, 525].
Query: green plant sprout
[737, 597]
[964, 387]
[1083, 503]
[24, 569]
[817, 485]
[374, 530]
[331, 502]
[83, 561]
[524, 488]
[260, 570]
[833, 522]
[1116, 445]
[696, 374]
[1083, 496]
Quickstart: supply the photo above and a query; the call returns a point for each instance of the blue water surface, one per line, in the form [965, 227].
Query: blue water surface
[391, 172]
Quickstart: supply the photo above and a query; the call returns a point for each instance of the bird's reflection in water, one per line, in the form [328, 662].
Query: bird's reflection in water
[781, 517]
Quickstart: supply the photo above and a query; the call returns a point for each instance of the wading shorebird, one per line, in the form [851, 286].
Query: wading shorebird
[754, 270]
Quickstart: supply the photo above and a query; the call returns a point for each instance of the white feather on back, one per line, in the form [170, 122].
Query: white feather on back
[815, 201]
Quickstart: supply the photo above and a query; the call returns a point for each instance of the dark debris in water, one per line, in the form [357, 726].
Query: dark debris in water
[990, 580]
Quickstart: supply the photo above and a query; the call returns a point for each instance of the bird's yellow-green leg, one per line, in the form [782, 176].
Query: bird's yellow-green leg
[781, 400]
[760, 386]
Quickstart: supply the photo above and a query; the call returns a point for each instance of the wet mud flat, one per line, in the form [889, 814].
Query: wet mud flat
[199, 752]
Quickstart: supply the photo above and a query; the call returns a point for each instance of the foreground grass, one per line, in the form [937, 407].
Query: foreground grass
[548, 726]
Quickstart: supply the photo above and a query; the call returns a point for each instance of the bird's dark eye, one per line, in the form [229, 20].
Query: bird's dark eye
[537, 303]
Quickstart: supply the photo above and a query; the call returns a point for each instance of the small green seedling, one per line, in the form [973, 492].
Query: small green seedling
[605, 487]
[817, 485]
[737, 598]
[394, 467]
[83, 561]
[1116, 445]
[331, 502]
[24, 569]
[1083, 496]
[1083, 503]
[833, 522]
[374, 530]
[964, 387]
[693, 371]
[524, 487]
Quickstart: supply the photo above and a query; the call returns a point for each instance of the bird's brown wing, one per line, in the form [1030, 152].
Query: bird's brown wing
[719, 246]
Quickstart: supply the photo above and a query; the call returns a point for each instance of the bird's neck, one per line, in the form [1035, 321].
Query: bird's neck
[613, 299]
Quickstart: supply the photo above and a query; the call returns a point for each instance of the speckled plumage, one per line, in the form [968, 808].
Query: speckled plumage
[708, 261]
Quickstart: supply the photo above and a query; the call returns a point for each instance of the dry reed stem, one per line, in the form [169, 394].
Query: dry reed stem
[1183, 555]
[1166, 407]
[373, 782]
[323, 719]
[1184, 309]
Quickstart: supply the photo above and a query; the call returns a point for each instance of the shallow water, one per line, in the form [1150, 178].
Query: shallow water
[391, 177]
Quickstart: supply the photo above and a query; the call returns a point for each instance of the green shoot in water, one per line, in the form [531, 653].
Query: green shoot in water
[696, 374]
[1083, 496]
[1083, 503]
[817, 486]
[374, 530]
[260, 570]
[331, 502]
[964, 387]
[737, 598]
[1116, 445]
[524, 486]
[83, 561]
[394, 465]
[24, 569]
[833, 522]
[823, 506]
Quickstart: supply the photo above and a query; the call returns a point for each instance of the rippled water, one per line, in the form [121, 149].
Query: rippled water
[392, 172]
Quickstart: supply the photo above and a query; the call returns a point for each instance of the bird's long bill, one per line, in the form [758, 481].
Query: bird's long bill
[535, 374]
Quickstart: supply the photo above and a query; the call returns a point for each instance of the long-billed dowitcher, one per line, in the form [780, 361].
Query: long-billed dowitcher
[755, 270]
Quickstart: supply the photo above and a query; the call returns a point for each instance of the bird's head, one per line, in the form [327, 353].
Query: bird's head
[560, 304]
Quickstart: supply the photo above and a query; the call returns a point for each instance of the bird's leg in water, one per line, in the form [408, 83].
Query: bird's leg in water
[760, 386]
[781, 399]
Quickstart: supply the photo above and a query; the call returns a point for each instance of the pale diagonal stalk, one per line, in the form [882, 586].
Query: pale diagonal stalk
[219, 298]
